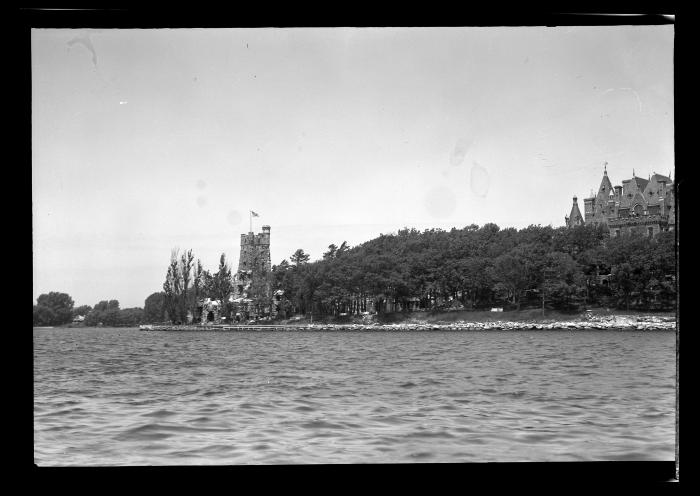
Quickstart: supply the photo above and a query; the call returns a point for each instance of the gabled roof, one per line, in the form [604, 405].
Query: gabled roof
[625, 201]
[638, 198]
[652, 199]
[641, 183]
[659, 178]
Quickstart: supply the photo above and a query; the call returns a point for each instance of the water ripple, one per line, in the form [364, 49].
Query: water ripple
[121, 396]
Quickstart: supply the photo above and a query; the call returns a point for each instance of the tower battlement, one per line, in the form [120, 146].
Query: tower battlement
[262, 238]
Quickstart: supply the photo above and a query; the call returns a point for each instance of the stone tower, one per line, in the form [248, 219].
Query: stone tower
[252, 280]
[255, 251]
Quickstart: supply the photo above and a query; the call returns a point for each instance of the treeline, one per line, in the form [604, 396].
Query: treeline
[108, 313]
[56, 308]
[187, 282]
[480, 267]
[472, 268]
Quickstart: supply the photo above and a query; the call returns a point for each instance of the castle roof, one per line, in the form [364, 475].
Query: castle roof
[625, 201]
[637, 198]
[641, 183]
[660, 177]
[605, 183]
[652, 199]
[575, 218]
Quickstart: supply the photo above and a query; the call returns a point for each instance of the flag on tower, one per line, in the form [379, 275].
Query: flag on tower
[254, 214]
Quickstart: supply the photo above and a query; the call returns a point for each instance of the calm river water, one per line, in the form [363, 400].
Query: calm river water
[124, 396]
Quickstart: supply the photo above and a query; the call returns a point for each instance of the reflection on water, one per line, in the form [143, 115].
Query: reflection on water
[124, 396]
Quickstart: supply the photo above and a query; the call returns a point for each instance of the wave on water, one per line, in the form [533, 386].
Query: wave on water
[269, 398]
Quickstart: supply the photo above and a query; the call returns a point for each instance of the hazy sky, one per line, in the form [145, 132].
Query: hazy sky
[144, 140]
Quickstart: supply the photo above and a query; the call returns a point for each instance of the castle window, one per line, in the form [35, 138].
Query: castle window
[651, 232]
[617, 233]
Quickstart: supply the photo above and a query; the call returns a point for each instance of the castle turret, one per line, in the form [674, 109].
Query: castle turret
[575, 218]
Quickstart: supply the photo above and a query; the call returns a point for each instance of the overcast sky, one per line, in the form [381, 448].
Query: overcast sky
[144, 140]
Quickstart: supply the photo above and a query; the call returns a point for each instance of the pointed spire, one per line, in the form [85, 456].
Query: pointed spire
[605, 168]
[633, 174]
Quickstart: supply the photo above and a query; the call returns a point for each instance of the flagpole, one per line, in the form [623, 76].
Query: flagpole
[250, 214]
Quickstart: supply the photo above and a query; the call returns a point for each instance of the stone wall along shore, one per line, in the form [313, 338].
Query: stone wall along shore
[617, 322]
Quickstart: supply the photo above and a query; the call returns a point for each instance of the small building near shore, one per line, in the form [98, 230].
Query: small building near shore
[209, 310]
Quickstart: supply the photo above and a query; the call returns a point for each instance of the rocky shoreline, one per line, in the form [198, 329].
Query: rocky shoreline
[593, 322]
[616, 322]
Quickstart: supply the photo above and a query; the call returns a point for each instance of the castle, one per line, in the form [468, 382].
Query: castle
[645, 206]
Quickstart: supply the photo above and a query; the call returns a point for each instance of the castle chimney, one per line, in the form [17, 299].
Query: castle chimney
[618, 192]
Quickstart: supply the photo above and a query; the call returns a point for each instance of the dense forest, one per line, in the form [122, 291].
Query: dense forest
[565, 269]
[480, 267]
